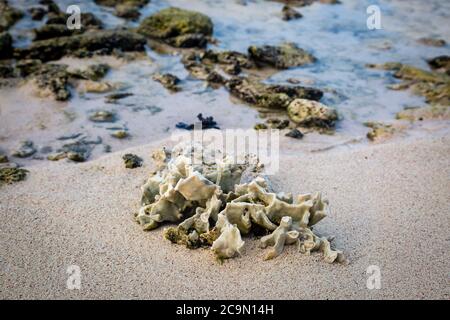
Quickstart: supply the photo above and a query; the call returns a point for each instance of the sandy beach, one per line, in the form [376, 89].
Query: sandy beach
[389, 207]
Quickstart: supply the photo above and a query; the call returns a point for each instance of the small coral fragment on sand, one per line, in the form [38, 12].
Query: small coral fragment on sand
[216, 201]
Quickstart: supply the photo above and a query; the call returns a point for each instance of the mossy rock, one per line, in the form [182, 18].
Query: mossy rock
[12, 174]
[170, 23]
[424, 113]
[6, 48]
[309, 113]
[269, 96]
[281, 57]
[113, 3]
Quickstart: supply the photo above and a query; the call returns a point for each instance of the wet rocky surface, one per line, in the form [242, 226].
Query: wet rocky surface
[226, 62]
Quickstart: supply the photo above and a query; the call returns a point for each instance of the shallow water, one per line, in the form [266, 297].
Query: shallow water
[336, 34]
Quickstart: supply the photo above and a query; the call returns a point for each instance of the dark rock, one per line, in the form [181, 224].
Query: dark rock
[294, 133]
[132, 161]
[27, 66]
[269, 96]
[432, 42]
[177, 27]
[169, 81]
[127, 12]
[37, 13]
[93, 72]
[53, 78]
[8, 15]
[107, 40]
[228, 58]
[191, 40]
[440, 64]
[6, 48]
[289, 13]
[281, 57]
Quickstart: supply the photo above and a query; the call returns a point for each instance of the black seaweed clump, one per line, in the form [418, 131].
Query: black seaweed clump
[132, 161]
[207, 123]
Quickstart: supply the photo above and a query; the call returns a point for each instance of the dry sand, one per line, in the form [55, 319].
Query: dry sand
[389, 207]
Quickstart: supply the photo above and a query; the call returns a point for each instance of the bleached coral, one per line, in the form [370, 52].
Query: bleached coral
[216, 201]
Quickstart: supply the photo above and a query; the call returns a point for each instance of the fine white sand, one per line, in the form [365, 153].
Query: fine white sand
[389, 207]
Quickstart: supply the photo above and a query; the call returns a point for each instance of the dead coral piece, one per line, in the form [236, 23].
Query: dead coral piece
[105, 41]
[6, 48]
[269, 96]
[440, 64]
[207, 195]
[132, 161]
[205, 123]
[295, 133]
[379, 130]
[92, 72]
[11, 174]
[309, 113]
[281, 57]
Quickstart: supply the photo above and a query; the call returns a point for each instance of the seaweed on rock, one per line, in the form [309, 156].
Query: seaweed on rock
[216, 202]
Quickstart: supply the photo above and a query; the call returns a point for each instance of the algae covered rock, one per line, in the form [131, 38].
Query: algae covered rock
[90, 41]
[132, 161]
[169, 81]
[8, 15]
[178, 27]
[310, 113]
[434, 86]
[216, 201]
[281, 57]
[269, 96]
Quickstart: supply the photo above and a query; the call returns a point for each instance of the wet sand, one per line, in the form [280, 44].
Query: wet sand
[389, 207]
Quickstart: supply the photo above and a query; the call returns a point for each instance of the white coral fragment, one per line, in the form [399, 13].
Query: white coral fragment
[229, 243]
[216, 201]
[283, 235]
